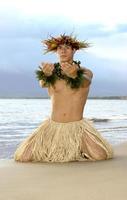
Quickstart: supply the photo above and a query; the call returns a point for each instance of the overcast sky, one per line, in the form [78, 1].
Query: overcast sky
[23, 24]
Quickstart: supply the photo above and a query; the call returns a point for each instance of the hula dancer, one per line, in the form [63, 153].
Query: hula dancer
[65, 135]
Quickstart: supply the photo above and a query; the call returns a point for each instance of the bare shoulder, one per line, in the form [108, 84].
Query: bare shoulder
[87, 71]
[88, 75]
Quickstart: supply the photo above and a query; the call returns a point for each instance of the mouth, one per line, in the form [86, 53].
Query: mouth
[63, 55]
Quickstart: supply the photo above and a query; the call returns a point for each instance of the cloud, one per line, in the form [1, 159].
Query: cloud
[24, 24]
[109, 12]
[122, 28]
[112, 47]
[20, 85]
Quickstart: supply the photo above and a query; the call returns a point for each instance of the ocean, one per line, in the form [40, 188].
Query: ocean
[19, 117]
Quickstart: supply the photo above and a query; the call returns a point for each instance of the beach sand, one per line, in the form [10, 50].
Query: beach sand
[100, 180]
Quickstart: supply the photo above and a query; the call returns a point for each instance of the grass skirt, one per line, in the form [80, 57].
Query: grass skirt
[55, 141]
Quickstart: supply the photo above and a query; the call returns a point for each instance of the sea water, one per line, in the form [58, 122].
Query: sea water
[19, 117]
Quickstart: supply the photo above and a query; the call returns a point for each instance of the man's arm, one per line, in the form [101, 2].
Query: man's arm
[47, 69]
[88, 75]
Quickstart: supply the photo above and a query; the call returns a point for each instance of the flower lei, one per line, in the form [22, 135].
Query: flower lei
[56, 75]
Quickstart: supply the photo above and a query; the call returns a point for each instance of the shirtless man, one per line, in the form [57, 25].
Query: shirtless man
[67, 107]
[67, 104]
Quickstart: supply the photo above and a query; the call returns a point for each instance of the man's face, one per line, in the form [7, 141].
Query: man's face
[65, 53]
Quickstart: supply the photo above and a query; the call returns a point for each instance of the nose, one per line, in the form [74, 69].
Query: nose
[63, 50]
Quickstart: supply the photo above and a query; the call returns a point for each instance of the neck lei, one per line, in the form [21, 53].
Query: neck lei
[57, 74]
[58, 70]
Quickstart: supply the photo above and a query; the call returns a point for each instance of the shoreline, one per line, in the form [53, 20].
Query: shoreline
[90, 97]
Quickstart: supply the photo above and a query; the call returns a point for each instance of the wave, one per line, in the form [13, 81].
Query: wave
[99, 119]
[108, 119]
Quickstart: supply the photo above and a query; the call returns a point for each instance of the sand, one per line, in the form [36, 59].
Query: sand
[100, 180]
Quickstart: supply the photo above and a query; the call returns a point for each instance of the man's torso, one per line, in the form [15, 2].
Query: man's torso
[67, 103]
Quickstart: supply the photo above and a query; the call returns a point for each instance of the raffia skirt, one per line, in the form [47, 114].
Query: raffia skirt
[55, 141]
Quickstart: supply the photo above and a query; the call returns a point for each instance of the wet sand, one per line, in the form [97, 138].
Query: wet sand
[100, 180]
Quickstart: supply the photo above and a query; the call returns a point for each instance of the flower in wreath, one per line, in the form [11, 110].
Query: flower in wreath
[52, 43]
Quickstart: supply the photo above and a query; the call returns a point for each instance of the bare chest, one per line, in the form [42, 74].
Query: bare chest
[62, 88]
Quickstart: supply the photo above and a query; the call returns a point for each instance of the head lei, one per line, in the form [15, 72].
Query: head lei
[52, 43]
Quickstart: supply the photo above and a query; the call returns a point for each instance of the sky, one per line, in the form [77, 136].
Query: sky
[24, 24]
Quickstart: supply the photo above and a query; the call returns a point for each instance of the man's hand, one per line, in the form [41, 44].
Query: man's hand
[69, 69]
[47, 68]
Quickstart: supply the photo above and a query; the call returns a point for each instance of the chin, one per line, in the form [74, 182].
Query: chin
[64, 60]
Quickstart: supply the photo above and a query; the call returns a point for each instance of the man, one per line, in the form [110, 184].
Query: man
[66, 135]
